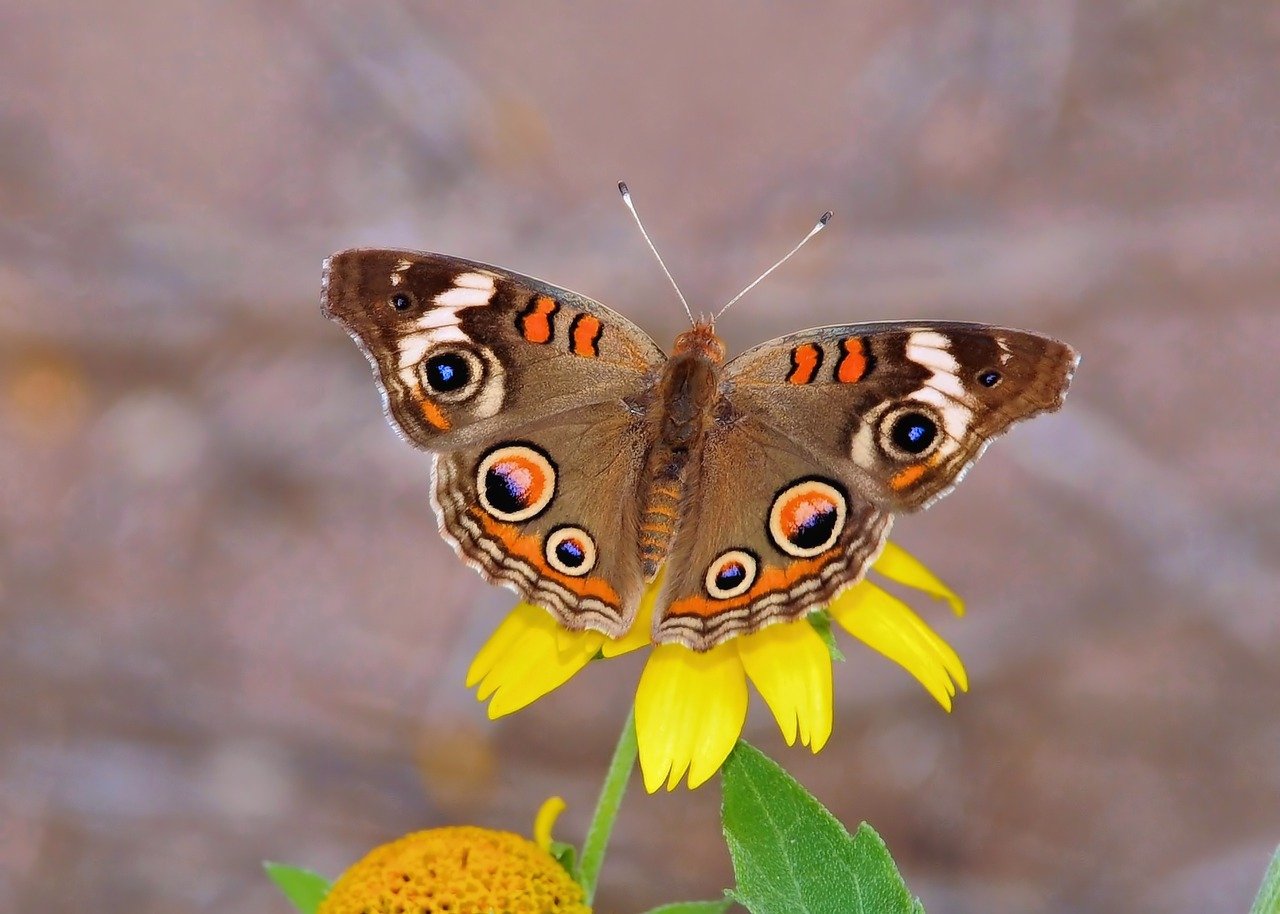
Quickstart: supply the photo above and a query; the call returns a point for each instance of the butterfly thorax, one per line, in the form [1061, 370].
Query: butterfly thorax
[687, 394]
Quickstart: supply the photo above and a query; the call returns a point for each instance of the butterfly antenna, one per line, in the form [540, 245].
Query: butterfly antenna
[821, 224]
[626, 198]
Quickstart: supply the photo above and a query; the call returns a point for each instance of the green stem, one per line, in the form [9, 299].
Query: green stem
[611, 792]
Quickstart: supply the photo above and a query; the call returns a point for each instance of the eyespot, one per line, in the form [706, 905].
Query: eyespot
[570, 550]
[807, 517]
[989, 378]
[516, 482]
[731, 574]
[909, 432]
[401, 301]
[913, 432]
[453, 374]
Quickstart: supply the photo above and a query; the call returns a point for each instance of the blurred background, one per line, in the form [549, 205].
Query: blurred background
[230, 630]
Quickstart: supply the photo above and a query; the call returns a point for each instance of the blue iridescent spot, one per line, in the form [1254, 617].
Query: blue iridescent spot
[570, 553]
[448, 372]
[914, 433]
[730, 576]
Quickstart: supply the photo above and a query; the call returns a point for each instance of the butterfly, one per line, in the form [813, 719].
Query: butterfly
[574, 460]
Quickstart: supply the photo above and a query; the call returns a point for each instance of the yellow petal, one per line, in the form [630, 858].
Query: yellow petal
[791, 667]
[690, 708]
[641, 628]
[545, 821]
[888, 625]
[527, 657]
[897, 564]
[504, 637]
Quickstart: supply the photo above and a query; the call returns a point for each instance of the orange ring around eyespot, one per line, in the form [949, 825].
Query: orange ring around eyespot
[801, 508]
[515, 482]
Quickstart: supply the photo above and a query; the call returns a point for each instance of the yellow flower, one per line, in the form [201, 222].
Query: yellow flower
[460, 870]
[690, 706]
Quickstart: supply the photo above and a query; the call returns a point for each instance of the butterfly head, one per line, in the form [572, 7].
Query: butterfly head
[701, 338]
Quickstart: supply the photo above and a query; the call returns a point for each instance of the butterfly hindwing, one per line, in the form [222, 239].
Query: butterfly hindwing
[549, 511]
[768, 534]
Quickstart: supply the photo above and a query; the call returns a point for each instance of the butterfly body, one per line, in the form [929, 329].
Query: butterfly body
[688, 394]
[574, 459]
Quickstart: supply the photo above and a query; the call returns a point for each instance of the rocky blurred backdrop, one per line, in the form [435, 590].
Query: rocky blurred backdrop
[229, 630]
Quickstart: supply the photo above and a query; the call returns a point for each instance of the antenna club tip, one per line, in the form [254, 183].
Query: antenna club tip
[622, 189]
[826, 217]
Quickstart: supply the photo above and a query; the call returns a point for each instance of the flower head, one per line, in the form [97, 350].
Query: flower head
[691, 706]
[459, 869]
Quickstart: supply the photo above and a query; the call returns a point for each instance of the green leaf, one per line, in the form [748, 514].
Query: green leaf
[567, 856]
[1268, 900]
[821, 622]
[303, 888]
[791, 856]
[694, 907]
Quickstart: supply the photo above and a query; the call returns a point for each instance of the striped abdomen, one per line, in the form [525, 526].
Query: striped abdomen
[658, 523]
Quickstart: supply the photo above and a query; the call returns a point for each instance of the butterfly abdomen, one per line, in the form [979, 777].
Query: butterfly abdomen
[658, 523]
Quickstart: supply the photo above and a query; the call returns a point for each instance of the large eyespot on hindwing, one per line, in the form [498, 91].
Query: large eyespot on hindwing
[570, 550]
[910, 432]
[516, 481]
[731, 574]
[807, 516]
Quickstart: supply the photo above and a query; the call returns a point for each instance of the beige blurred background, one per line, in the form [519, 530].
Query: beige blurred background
[229, 629]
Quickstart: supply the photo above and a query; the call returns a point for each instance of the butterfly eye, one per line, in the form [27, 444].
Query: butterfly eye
[731, 574]
[401, 301]
[989, 378]
[570, 550]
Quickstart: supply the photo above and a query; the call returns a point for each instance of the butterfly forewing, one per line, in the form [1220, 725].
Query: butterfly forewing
[905, 408]
[463, 350]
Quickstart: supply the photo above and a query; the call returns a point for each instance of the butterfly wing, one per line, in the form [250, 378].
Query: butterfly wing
[904, 408]
[532, 396]
[821, 438]
[461, 350]
[767, 532]
[549, 510]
